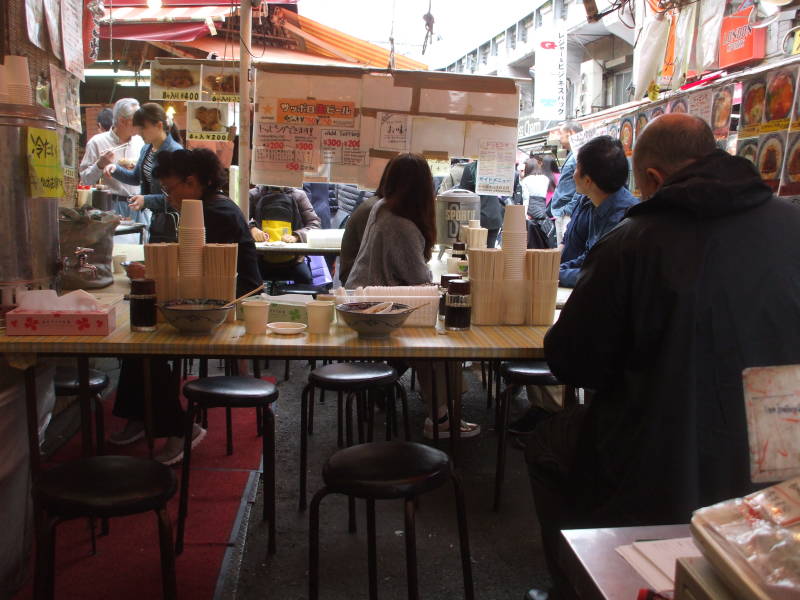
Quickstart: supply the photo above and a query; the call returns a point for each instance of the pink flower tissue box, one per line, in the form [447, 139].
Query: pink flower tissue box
[71, 314]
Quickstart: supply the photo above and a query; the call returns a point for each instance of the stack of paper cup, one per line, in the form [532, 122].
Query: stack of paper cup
[3, 85]
[18, 80]
[515, 242]
[191, 239]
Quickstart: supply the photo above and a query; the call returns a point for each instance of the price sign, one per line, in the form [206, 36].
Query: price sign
[45, 175]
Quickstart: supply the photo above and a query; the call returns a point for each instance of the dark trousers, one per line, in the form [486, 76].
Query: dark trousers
[491, 238]
[550, 454]
[296, 272]
[168, 416]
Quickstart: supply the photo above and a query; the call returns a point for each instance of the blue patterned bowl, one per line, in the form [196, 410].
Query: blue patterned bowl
[372, 325]
[195, 316]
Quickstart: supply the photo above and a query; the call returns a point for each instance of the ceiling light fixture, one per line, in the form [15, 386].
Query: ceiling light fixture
[154, 4]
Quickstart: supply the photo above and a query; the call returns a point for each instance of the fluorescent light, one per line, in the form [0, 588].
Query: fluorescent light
[143, 74]
[154, 4]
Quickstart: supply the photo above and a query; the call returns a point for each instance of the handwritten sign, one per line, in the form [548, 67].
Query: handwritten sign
[209, 121]
[315, 112]
[44, 164]
[72, 34]
[496, 168]
[294, 146]
[394, 131]
[772, 403]
[342, 147]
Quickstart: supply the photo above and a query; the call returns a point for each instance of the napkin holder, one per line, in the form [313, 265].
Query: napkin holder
[44, 313]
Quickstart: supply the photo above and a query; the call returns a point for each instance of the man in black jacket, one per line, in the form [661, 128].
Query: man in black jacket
[701, 280]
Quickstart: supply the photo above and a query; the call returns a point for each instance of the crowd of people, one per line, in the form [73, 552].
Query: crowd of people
[674, 295]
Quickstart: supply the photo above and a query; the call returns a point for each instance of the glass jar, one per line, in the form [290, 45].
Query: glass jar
[143, 305]
[445, 280]
[458, 306]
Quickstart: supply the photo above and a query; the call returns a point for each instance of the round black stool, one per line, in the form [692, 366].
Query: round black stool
[517, 374]
[388, 471]
[102, 487]
[353, 380]
[67, 383]
[231, 392]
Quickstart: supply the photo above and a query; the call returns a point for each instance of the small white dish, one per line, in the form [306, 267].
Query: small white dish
[286, 328]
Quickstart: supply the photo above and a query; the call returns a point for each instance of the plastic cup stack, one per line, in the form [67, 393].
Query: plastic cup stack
[515, 242]
[3, 85]
[18, 80]
[191, 239]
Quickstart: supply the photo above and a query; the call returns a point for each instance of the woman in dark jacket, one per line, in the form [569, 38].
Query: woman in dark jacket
[184, 174]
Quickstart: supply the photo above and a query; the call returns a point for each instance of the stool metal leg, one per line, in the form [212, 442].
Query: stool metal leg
[187, 459]
[168, 580]
[44, 577]
[313, 544]
[304, 443]
[463, 537]
[311, 400]
[504, 403]
[286, 371]
[268, 449]
[351, 514]
[372, 554]
[497, 381]
[404, 401]
[483, 374]
[489, 380]
[228, 431]
[99, 424]
[339, 420]
[349, 414]
[411, 552]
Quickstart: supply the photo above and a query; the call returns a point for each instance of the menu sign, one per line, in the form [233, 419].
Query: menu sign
[752, 111]
[292, 147]
[175, 83]
[209, 121]
[495, 168]
[721, 112]
[780, 85]
[45, 174]
[72, 33]
[342, 147]
[331, 113]
[220, 84]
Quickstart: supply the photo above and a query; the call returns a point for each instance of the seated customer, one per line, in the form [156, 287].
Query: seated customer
[184, 174]
[573, 243]
[282, 214]
[601, 173]
[397, 245]
[698, 283]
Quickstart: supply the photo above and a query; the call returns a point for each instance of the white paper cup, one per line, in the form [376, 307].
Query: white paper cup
[3, 81]
[255, 317]
[474, 224]
[514, 219]
[117, 261]
[192, 214]
[320, 316]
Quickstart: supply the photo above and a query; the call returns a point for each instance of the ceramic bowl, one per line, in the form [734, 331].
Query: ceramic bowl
[195, 316]
[372, 325]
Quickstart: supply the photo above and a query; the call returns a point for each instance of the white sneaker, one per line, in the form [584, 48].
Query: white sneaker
[468, 430]
[172, 450]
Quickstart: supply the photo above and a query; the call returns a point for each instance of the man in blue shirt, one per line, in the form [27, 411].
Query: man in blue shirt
[565, 199]
[601, 172]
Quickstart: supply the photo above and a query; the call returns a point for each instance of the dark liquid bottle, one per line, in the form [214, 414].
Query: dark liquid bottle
[143, 305]
[458, 306]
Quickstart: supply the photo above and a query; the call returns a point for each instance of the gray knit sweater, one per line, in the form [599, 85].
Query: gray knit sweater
[392, 252]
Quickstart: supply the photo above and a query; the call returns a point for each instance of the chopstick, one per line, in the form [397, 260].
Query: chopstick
[247, 295]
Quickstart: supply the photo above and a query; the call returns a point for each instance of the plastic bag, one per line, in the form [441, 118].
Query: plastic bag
[93, 230]
[709, 25]
[648, 53]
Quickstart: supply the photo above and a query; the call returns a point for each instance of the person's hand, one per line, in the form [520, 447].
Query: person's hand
[258, 235]
[105, 160]
[136, 202]
[109, 169]
[136, 270]
[289, 239]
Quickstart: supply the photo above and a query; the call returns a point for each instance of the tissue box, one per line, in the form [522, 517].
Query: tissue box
[21, 321]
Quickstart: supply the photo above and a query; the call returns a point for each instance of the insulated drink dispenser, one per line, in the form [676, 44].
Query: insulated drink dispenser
[454, 208]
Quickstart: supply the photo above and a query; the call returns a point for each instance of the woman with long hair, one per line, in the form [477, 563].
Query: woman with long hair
[159, 135]
[395, 250]
[401, 229]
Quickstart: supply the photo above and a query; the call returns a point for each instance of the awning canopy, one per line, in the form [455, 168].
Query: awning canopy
[172, 3]
[155, 32]
[229, 50]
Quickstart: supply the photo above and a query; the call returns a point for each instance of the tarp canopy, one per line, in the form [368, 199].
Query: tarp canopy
[155, 32]
[171, 3]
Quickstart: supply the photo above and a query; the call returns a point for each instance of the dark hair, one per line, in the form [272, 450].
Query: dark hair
[603, 160]
[572, 126]
[105, 118]
[549, 168]
[202, 163]
[153, 113]
[407, 188]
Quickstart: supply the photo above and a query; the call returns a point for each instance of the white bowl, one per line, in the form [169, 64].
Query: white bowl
[286, 327]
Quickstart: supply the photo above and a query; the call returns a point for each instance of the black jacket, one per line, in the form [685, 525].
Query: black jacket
[698, 283]
[492, 207]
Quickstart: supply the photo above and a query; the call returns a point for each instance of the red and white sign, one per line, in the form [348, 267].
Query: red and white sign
[738, 42]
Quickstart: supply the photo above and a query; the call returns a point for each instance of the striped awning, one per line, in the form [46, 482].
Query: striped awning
[174, 14]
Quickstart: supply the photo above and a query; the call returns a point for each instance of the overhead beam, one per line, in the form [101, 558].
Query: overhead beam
[172, 50]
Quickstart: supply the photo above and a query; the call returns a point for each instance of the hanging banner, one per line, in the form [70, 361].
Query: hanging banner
[220, 84]
[52, 13]
[495, 168]
[45, 175]
[72, 35]
[34, 20]
[550, 80]
[209, 121]
[331, 113]
[175, 83]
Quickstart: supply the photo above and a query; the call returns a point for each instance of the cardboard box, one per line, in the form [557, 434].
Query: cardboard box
[40, 322]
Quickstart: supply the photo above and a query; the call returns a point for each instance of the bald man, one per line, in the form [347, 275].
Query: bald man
[700, 281]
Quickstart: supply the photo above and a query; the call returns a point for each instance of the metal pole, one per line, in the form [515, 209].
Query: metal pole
[245, 43]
